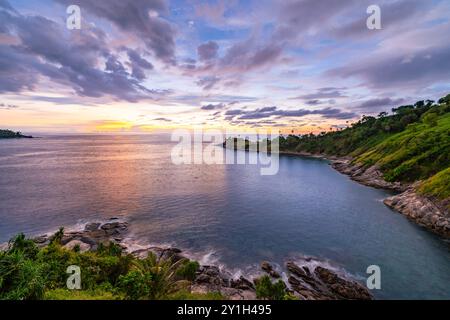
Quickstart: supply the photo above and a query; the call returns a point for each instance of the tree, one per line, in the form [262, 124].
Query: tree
[265, 289]
[152, 278]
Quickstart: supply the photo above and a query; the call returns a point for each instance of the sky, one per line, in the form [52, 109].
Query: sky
[149, 65]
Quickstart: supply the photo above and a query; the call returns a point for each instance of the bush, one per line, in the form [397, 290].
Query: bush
[20, 277]
[265, 289]
[188, 270]
[135, 285]
[57, 237]
[28, 272]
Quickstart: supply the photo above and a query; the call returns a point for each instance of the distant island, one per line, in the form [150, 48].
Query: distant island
[9, 134]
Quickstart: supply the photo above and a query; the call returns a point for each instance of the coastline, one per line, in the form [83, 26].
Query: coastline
[305, 278]
[424, 211]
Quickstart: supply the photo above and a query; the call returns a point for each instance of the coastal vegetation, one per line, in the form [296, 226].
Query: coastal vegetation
[30, 272]
[105, 269]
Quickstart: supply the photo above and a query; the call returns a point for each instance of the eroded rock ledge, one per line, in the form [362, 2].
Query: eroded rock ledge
[371, 176]
[422, 210]
[305, 282]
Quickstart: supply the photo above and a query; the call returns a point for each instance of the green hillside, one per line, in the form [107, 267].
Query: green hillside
[411, 144]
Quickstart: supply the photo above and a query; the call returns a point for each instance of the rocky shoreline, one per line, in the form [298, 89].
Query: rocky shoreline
[304, 281]
[424, 211]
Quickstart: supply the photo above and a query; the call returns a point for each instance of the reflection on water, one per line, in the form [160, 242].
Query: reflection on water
[243, 217]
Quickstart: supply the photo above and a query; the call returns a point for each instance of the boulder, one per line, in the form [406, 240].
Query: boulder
[82, 245]
[267, 267]
[342, 288]
[92, 226]
[242, 283]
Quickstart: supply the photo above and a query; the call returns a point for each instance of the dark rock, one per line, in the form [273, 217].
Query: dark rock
[267, 267]
[295, 270]
[242, 283]
[324, 284]
[40, 239]
[342, 288]
[172, 253]
[92, 226]
[370, 176]
[211, 275]
[114, 225]
[426, 212]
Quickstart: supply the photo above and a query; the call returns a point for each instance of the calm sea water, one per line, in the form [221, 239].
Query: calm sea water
[231, 212]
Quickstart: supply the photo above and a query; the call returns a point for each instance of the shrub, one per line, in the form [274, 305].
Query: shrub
[188, 270]
[135, 285]
[21, 244]
[57, 237]
[20, 277]
[265, 289]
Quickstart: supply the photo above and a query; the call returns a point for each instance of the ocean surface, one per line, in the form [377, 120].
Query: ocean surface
[226, 214]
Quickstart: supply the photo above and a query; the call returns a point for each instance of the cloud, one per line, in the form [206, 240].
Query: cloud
[208, 82]
[212, 12]
[162, 119]
[378, 103]
[267, 112]
[4, 106]
[393, 15]
[420, 69]
[138, 64]
[141, 18]
[5, 5]
[74, 59]
[234, 112]
[213, 106]
[208, 51]
[239, 59]
[297, 17]
[246, 56]
[322, 93]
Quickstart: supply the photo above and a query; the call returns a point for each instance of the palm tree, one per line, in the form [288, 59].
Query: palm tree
[162, 275]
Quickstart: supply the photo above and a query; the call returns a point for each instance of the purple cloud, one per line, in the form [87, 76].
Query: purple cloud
[213, 106]
[72, 59]
[139, 17]
[208, 82]
[208, 51]
[268, 112]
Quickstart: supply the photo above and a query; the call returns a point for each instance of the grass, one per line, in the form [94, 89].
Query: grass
[65, 294]
[417, 153]
[437, 186]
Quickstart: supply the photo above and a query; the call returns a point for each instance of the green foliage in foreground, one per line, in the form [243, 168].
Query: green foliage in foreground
[266, 289]
[65, 294]
[30, 273]
[186, 295]
[411, 144]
